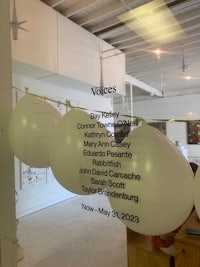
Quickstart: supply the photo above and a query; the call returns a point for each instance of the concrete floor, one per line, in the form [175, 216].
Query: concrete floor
[68, 235]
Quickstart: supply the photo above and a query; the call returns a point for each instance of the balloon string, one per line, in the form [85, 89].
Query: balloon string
[68, 105]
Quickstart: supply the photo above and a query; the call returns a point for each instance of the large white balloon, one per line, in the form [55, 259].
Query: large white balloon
[197, 191]
[157, 195]
[79, 153]
[31, 129]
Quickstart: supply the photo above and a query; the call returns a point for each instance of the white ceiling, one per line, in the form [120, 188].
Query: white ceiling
[166, 73]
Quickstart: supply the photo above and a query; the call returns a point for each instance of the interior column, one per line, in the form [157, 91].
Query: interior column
[7, 189]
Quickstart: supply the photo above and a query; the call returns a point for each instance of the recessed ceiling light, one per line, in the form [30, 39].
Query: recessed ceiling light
[157, 52]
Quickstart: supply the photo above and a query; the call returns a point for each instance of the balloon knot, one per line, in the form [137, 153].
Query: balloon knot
[68, 104]
[26, 90]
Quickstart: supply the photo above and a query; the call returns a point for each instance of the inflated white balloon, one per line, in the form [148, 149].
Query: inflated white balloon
[156, 195]
[31, 129]
[197, 191]
[79, 153]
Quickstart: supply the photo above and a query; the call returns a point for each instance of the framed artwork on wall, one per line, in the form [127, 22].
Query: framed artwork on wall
[30, 176]
[161, 126]
[193, 132]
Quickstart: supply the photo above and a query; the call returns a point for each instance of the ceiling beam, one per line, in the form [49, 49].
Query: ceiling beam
[189, 30]
[104, 25]
[122, 38]
[53, 3]
[108, 23]
[170, 63]
[112, 32]
[185, 20]
[148, 66]
[135, 82]
[77, 7]
[191, 38]
[183, 17]
[166, 66]
[96, 14]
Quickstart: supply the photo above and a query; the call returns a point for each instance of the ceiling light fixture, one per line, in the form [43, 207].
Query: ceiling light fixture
[157, 52]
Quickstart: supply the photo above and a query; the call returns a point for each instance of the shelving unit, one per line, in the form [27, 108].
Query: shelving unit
[187, 252]
[141, 253]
